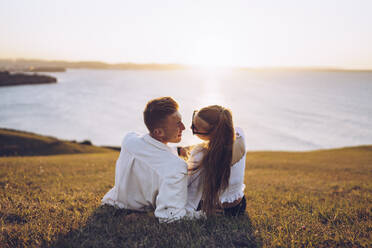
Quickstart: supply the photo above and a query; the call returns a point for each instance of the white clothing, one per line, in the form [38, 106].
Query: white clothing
[235, 189]
[150, 176]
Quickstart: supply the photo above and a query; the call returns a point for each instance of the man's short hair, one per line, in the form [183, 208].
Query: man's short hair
[157, 110]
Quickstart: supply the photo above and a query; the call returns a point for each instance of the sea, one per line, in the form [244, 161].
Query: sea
[291, 110]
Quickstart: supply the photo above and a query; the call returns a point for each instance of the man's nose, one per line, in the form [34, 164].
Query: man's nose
[182, 126]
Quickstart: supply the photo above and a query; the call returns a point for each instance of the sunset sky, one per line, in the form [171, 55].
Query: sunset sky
[336, 33]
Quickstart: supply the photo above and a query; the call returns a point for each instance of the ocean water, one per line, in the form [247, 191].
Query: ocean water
[278, 110]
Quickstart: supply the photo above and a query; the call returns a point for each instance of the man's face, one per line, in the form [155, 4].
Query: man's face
[173, 128]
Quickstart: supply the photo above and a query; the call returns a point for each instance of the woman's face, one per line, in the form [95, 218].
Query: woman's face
[200, 127]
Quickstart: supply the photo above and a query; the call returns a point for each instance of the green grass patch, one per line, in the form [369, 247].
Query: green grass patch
[294, 199]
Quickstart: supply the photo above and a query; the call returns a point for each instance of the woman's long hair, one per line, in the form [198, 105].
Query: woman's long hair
[216, 163]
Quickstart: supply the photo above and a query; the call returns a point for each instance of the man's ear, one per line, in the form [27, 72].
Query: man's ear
[159, 132]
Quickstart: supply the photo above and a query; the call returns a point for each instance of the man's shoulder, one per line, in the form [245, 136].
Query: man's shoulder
[132, 141]
[131, 137]
[163, 161]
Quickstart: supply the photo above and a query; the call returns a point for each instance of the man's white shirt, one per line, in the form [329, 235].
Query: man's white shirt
[150, 176]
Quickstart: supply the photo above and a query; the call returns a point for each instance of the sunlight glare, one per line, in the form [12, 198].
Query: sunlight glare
[211, 90]
[211, 51]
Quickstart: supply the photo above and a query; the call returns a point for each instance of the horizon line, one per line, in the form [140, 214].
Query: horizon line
[191, 66]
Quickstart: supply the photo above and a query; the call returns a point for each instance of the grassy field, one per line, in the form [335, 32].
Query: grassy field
[294, 199]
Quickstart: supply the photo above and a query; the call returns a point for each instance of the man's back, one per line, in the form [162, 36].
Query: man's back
[149, 176]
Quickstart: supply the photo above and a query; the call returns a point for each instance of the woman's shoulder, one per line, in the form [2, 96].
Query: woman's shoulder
[196, 156]
[197, 152]
[239, 138]
[198, 148]
[239, 132]
[239, 146]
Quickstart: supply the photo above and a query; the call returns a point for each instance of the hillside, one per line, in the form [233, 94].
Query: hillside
[19, 143]
[294, 199]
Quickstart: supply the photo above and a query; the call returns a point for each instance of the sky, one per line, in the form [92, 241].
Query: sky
[249, 33]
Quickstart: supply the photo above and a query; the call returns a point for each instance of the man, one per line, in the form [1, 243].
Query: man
[149, 174]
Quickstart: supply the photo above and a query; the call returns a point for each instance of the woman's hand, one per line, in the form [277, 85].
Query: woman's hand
[183, 152]
[231, 204]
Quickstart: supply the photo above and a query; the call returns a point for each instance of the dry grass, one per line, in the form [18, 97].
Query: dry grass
[310, 199]
[320, 198]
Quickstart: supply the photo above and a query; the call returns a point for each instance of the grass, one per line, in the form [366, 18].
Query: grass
[294, 199]
[19, 143]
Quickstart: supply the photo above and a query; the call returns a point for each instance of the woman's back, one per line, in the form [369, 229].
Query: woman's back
[235, 188]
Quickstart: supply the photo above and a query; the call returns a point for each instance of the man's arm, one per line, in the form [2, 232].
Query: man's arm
[172, 198]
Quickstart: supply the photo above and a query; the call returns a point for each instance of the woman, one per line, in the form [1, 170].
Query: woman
[216, 178]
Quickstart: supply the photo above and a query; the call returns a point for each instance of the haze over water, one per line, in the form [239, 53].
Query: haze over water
[278, 110]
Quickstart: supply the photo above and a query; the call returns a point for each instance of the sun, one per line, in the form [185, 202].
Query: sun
[211, 51]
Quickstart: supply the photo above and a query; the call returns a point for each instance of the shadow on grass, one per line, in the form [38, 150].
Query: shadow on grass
[111, 227]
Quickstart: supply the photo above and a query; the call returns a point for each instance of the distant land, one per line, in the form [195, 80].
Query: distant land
[319, 69]
[47, 69]
[13, 79]
[27, 65]
[48, 65]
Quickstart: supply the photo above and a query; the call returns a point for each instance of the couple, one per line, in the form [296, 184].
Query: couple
[152, 176]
